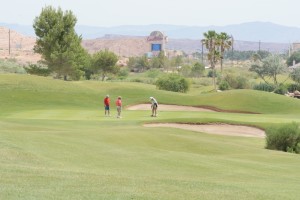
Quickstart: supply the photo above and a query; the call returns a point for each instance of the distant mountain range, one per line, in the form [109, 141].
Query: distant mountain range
[251, 31]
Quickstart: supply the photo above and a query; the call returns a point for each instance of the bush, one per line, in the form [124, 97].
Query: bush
[264, 87]
[284, 138]
[295, 74]
[211, 72]
[37, 70]
[197, 70]
[292, 87]
[281, 90]
[224, 85]
[123, 74]
[173, 82]
[11, 66]
[236, 81]
[242, 83]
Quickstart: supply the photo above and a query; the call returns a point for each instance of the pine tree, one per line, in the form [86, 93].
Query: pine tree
[58, 43]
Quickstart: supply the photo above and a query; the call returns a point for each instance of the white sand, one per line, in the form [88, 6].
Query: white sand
[219, 129]
[163, 107]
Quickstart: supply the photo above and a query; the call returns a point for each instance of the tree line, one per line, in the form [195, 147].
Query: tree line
[62, 54]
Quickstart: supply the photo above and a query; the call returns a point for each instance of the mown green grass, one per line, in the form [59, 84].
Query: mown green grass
[55, 143]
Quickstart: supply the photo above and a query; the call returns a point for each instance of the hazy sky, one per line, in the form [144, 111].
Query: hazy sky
[142, 12]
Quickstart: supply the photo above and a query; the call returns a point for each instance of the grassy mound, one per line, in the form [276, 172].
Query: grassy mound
[32, 92]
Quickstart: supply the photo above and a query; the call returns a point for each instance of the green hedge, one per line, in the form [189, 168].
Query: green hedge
[173, 82]
[285, 137]
[264, 87]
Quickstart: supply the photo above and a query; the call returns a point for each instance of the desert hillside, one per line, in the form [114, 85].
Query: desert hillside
[21, 46]
[124, 46]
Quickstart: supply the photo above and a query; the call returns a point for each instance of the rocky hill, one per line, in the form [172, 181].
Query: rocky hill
[17, 46]
[21, 46]
[123, 46]
[250, 31]
[136, 46]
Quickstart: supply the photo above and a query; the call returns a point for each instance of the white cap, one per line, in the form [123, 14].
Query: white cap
[107, 95]
[151, 97]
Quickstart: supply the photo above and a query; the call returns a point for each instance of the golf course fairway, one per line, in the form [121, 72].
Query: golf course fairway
[56, 143]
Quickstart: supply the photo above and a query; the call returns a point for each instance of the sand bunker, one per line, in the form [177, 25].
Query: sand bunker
[219, 129]
[163, 107]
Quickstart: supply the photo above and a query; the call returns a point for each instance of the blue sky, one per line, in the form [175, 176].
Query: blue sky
[141, 12]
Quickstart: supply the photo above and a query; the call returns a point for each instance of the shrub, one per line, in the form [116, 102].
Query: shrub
[11, 66]
[242, 83]
[236, 81]
[197, 70]
[173, 82]
[37, 70]
[211, 72]
[264, 87]
[224, 85]
[123, 74]
[284, 138]
[292, 87]
[295, 75]
[281, 90]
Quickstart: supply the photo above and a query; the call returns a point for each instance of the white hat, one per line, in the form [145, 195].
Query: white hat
[151, 97]
[107, 95]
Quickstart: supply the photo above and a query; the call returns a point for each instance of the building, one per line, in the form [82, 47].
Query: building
[157, 42]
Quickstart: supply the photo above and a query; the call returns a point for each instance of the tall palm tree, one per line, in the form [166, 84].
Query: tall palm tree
[224, 42]
[211, 44]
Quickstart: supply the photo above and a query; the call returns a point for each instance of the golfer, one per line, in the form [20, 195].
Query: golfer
[119, 107]
[154, 106]
[106, 105]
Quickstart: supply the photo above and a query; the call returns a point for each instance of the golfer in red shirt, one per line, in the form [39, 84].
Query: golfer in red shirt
[106, 105]
[119, 106]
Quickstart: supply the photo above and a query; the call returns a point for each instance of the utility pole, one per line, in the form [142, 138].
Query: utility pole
[202, 52]
[202, 59]
[259, 46]
[232, 50]
[8, 41]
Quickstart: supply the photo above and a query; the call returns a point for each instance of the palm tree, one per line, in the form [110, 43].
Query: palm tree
[211, 43]
[224, 42]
